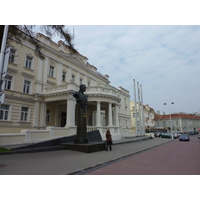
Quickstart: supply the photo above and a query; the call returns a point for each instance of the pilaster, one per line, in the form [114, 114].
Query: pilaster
[59, 74]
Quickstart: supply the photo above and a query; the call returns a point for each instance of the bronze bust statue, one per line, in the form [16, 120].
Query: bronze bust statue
[81, 97]
[81, 107]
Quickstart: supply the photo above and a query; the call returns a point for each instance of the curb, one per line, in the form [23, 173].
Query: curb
[59, 147]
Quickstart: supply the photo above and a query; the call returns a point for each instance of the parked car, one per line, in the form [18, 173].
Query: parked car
[184, 137]
[179, 134]
[175, 135]
[192, 133]
[199, 136]
[165, 135]
[157, 134]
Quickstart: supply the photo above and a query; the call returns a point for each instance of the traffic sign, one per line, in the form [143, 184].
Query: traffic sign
[5, 62]
[2, 97]
[2, 85]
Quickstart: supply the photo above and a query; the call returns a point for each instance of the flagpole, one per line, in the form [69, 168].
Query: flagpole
[140, 131]
[143, 125]
[135, 108]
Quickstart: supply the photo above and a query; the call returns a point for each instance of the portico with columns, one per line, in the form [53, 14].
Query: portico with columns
[102, 109]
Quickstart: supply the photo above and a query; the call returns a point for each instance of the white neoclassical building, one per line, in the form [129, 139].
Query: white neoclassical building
[39, 103]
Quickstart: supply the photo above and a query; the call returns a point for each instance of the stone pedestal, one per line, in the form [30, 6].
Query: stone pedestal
[81, 134]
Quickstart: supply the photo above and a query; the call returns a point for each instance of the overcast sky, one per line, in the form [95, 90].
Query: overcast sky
[165, 60]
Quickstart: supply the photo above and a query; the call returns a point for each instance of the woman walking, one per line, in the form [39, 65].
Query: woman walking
[108, 140]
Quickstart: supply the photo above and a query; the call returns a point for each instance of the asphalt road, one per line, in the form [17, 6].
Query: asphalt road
[174, 158]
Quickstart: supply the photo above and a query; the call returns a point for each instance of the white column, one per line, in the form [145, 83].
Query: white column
[36, 114]
[110, 114]
[43, 114]
[70, 121]
[98, 118]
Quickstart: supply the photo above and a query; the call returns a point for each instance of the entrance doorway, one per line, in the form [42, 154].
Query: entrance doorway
[63, 119]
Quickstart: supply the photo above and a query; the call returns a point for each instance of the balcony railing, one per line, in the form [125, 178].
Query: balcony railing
[75, 87]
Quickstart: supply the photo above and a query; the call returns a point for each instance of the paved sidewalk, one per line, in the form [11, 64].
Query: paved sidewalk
[71, 162]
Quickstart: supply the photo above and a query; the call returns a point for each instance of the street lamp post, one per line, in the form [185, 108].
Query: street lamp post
[170, 118]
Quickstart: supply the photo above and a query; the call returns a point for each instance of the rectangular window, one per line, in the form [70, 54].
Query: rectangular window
[73, 78]
[4, 110]
[8, 80]
[51, 71]
[26, 88]
[12, 55]
[28, 62]
[164, 124]
[63, 76]
[81, 81]
[48, 116]
[24, 114]
[88, 84]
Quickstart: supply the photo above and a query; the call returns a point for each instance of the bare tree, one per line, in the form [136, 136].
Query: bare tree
[17, 31]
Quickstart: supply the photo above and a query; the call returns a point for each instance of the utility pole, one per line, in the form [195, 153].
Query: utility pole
[4, 56]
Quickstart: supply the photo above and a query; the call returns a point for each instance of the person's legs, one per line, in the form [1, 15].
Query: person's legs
[110, 145]
[106, 145]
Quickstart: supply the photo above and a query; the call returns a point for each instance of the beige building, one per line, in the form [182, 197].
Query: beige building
[39, 102]
[178, 122]
[149, 115]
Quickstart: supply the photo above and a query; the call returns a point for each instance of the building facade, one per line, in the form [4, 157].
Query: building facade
[39, 93]
[178, 122]
[149, 114]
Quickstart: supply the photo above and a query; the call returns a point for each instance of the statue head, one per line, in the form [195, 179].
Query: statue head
[82, 88]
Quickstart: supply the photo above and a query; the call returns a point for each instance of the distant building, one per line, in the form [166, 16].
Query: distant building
[149, 114]
[39, 103]
[179, 122]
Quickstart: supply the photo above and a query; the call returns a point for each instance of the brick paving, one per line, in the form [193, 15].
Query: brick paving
[69, 162]
[174, 158]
